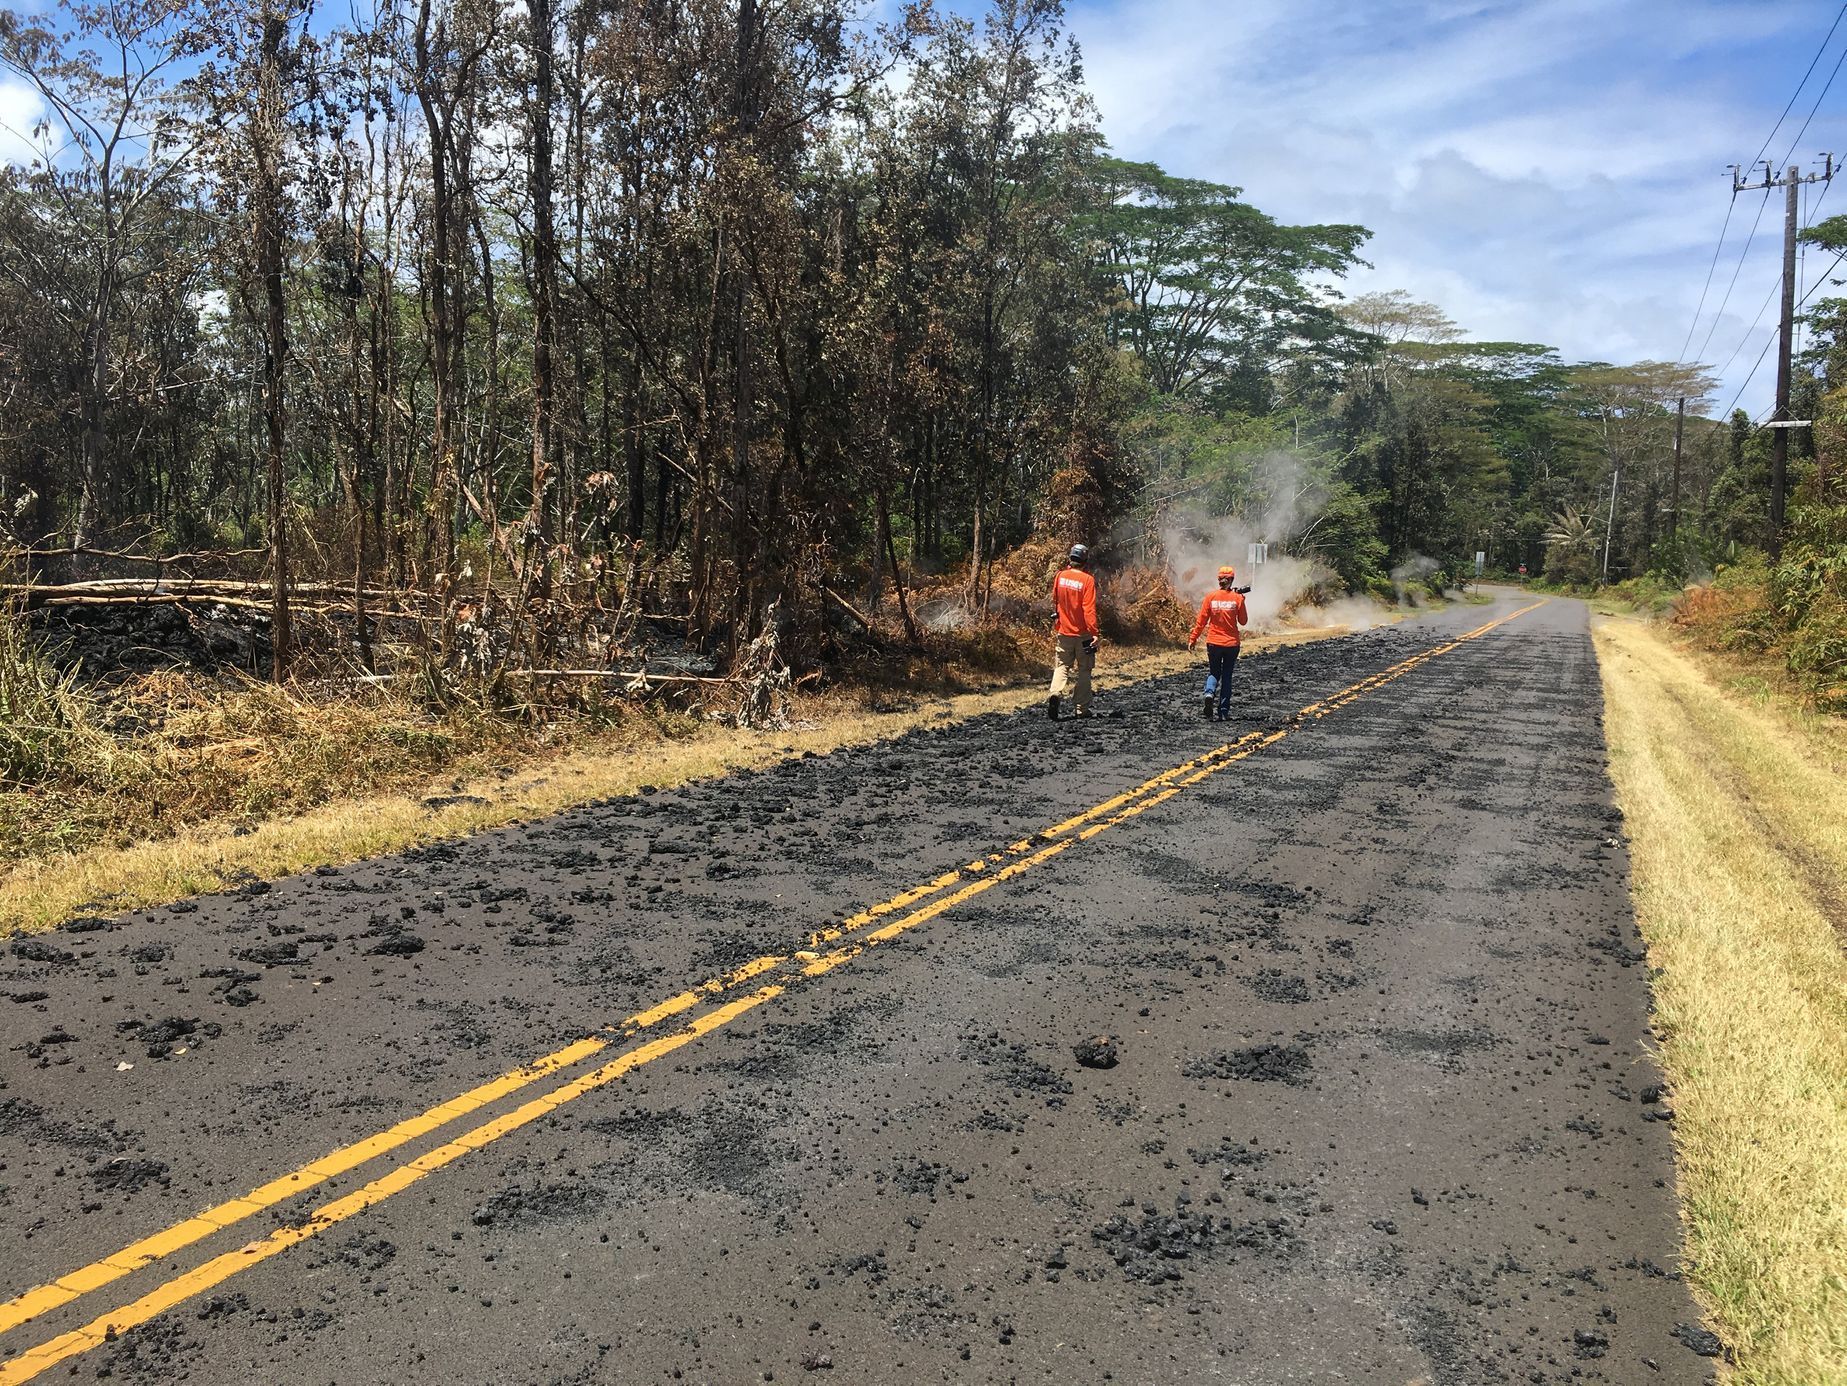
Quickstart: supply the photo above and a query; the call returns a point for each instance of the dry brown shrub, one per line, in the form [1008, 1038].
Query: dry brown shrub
[1734, 616]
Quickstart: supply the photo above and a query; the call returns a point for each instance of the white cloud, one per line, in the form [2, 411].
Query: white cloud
[20, 109]
[1545, 170]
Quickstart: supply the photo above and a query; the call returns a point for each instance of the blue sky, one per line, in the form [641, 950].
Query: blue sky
[1544, 170]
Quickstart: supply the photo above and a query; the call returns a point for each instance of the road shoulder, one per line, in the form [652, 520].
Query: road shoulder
[1738, 824]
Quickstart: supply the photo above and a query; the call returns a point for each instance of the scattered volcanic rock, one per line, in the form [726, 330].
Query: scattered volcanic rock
[1099, 1051]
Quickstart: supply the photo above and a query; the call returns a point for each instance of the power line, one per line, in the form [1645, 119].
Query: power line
[1802, 253]
[1809, 214]
[1800, 85]
[1718, 249]
[1719, 312]
[1815, 212]
[1812, 290]
[1808, 222]
[1747, 380]
[1818, 100]
[1730, 207]
[1777, 284]
[1746, 384]
[1824, 277]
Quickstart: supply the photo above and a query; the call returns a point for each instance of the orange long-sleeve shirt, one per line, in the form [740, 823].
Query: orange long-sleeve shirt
[1220, 615]
[1074, 593]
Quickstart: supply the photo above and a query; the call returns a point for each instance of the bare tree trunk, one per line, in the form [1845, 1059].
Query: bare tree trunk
[742, 402]
[267, 135]
[439, 120]
[875, 583]
[897, 573]
[635, 459]
[544, 292]
[984, 453]
[96, 384]
[635, 453]
[972, 591]
[362, 403]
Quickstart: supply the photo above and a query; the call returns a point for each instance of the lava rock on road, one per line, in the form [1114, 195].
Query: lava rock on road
[1099, 1051]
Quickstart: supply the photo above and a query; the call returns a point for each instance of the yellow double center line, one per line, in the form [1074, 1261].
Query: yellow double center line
[951, 889]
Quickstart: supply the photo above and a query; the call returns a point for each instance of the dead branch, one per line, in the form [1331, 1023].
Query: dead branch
[86, 552]
[849, 608]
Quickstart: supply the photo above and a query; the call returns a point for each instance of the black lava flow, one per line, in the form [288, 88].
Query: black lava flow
[1328, 1067]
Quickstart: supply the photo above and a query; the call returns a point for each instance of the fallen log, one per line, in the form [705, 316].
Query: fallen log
[850, 609]
[162, 559]
[630, 674]
[160, 599]
[241, 603]
[201, 587]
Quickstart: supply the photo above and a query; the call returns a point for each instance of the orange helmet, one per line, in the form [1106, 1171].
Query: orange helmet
[1227, 573]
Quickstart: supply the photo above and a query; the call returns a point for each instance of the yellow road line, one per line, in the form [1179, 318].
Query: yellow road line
[182, 1234]
[41, 1299]
[1128, 804]
[221, 1268]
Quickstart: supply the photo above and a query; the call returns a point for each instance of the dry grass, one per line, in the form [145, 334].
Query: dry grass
[1738, 817]
[309, 785]
[165, 753]
[189, 750]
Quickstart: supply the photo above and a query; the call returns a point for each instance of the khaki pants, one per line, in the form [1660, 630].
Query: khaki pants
[1071, 664]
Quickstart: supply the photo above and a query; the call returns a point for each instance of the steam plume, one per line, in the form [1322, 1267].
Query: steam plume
[1196, 542]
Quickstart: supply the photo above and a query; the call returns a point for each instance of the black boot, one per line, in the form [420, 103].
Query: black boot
[1051, 707]
[1208, 707]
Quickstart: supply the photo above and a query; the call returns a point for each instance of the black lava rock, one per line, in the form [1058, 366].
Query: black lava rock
[1260, 1063]
[1699, 1340]
[1099, 1051]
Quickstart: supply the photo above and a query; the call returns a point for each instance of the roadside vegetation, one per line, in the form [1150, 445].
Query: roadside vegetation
[87, 766]
[1736, 808]
[1787, 620]
[481, 332]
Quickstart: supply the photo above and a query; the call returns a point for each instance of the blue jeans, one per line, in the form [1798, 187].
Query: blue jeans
[1220, 659]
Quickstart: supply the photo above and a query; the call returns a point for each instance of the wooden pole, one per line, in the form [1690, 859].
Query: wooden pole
[1673, 503]
[1779, 454]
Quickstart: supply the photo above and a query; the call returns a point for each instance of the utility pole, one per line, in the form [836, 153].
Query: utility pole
[1609, 529]
[1673, 504]
[1791, 182]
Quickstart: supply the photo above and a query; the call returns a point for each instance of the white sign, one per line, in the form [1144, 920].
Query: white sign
[1259, 553]
[1481, 562]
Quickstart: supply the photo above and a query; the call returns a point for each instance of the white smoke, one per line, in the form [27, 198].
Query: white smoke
[1196, 543]
[1415, 567]
[1348, 613]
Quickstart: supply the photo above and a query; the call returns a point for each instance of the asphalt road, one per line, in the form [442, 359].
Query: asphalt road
[810, 1104]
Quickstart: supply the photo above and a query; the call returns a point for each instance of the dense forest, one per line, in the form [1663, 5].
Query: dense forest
[743, 312]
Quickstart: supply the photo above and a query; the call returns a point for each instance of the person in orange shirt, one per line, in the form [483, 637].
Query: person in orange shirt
[1074, 594]
[1220, 615]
